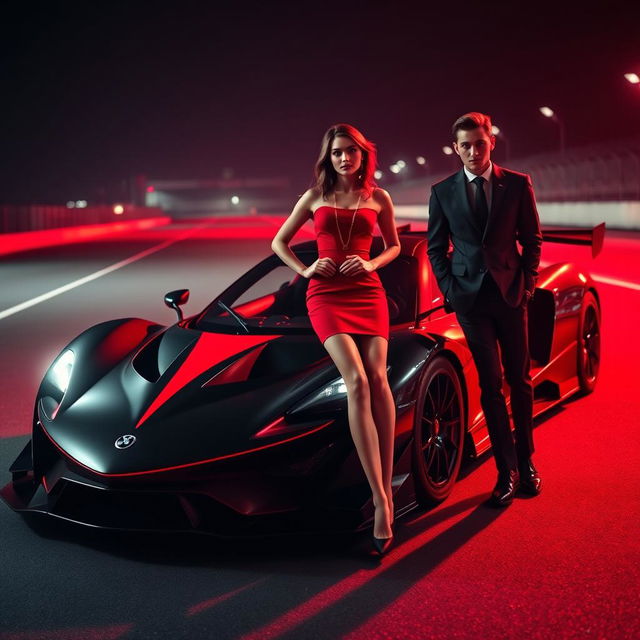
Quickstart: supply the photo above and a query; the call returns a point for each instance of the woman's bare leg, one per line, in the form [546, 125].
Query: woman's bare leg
[373, 350]
[344, 352]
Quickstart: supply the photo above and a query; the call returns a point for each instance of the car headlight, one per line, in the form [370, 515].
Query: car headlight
[331, 393]
[60, 372]
[333, 389]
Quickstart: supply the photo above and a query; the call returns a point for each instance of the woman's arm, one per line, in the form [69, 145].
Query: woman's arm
[387, 224]
[280, 244]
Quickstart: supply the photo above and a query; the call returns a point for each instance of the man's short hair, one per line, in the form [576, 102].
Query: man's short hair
[471, 120]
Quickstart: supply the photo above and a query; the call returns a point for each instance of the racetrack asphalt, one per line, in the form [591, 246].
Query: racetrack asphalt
[562, 565]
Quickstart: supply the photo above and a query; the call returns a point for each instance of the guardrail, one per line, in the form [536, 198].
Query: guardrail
[597, 173]
[19, 218]
[610, 176]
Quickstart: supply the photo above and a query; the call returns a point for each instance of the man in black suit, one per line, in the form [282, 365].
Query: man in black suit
[484, 210]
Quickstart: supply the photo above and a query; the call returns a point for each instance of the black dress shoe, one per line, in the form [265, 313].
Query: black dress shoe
[530, 480]
[505, 489]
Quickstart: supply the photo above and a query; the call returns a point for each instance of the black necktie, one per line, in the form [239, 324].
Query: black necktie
[481, 207]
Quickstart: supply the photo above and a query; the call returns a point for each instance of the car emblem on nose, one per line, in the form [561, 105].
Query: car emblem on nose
[124, 442]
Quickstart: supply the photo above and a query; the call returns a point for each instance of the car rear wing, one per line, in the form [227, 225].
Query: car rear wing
[577, 235]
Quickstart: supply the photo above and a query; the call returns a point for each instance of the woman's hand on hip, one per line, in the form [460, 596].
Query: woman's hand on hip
[323, 267]
[356, 266]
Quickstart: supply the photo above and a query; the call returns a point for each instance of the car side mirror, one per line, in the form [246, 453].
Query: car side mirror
[174, 299]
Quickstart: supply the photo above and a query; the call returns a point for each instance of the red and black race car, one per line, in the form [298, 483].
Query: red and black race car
[233, 421]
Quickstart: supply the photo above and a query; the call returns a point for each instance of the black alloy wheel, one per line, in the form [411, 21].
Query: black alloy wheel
[588, 343]
[438, 432]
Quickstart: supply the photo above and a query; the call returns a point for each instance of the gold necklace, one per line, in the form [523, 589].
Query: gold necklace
[345, 245]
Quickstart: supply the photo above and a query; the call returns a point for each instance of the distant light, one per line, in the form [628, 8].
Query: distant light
[81, 204]
[150, 189]
[118, 209]
[495, 130]
[401, 163]
[235, 200]
[394, 168]
[71, 204]
[421, 160]
[378, 174]
[633, 78]
[547, 112]
[448, 151]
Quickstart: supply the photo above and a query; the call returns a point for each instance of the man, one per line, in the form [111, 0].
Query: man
[484, 210]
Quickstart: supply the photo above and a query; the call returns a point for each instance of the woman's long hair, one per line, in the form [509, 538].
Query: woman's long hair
[326, 176]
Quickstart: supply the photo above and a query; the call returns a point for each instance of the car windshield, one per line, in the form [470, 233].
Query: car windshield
[271, 298]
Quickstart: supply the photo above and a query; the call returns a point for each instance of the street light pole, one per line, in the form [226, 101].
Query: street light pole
[498, 133]
[562, 134]
[448, 151]
[547, 112]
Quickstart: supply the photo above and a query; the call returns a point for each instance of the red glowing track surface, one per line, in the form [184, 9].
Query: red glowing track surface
[28, 240]
[563, 565]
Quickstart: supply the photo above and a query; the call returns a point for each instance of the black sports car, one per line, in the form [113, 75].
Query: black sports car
[233, 421]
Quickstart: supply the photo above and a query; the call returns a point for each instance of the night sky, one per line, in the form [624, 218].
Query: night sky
[94, 94]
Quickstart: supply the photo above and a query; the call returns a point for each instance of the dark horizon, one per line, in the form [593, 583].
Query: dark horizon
[94, 96]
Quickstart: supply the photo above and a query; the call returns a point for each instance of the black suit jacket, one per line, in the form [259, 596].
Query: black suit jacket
[513, 218]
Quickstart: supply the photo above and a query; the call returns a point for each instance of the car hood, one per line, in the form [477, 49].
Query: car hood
[186, 396]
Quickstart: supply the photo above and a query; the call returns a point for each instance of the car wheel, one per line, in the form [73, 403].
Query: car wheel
[588, 343]
[438, 433]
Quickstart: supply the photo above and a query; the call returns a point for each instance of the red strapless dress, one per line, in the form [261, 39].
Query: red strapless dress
[346, 304]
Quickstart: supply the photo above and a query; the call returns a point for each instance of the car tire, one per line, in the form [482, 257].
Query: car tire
[438, 432]
[588, 364]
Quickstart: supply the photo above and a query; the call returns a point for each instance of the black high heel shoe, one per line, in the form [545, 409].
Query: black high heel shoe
[382, 545]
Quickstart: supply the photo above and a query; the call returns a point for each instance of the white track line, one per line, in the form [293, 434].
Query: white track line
[147, 252]
[93, 276]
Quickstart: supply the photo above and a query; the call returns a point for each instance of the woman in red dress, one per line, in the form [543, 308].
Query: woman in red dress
[345, 298]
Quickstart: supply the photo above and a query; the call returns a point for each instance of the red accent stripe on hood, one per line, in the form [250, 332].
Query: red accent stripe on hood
[209, 349]
[237, 371]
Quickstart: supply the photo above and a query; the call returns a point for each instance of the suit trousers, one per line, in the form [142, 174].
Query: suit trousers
[495, 332]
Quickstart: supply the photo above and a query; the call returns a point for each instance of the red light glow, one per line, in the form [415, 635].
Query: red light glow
[212, 602]
[27, 240]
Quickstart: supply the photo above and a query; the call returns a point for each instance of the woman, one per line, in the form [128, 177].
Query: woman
[346, 302]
